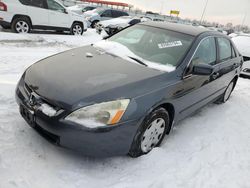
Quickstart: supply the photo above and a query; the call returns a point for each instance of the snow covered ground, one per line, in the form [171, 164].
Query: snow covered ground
[208, 150]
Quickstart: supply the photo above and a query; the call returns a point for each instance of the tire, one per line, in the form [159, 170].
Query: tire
[93, 24]
[76, 29]
[226, 95]
[21, 25]
[151, 133]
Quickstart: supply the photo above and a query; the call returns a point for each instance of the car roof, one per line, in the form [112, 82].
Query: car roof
[181, 28]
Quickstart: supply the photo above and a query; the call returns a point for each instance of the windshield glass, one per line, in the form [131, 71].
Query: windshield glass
[154, 45]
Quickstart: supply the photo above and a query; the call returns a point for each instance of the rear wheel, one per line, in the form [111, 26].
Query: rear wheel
[21, 25]
[76, 29]
[151, 133]
[224, 98]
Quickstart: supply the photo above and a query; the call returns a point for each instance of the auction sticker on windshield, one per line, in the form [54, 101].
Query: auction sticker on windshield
[170, 44]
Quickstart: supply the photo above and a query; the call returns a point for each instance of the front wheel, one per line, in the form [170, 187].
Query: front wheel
[151, 133]
[76, 29]
[21, 25]
[94, 24]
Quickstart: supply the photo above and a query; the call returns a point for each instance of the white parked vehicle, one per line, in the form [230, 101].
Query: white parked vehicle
[81, 8]
[242, 42]
[100, 14]
[116, 24]
[24, 15]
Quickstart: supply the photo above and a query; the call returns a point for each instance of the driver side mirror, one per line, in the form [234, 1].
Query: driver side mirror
[65, 11]
[202, 69]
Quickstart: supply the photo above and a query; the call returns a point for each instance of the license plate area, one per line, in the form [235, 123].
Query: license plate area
[28, 115]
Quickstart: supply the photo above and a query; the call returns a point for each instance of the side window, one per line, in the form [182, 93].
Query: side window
[52, 5]
[124, 14]
[225, 49]
[106, 13]
[34, 3]
[116, 14]
[25, 2]
[206, 52]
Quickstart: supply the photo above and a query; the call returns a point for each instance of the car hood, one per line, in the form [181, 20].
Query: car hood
[87, 75]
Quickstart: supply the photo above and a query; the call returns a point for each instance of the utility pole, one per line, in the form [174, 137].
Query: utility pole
[203, 12]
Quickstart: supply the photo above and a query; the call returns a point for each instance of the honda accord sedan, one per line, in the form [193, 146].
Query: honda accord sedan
[123, 95]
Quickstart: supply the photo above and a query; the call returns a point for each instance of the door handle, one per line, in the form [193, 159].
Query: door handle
[215, 75]
[235, 65]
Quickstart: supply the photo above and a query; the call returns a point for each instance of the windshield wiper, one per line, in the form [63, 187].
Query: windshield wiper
[138, 61]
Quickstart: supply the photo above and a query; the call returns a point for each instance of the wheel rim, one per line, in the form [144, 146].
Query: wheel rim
[228, 91]
[77, 30]
[153, 135]
[22, 27]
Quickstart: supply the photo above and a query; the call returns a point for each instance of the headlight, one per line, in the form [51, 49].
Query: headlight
[97, 115]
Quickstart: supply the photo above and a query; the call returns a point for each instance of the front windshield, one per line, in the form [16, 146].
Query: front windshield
[160, 46]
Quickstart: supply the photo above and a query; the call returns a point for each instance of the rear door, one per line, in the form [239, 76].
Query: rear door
[58, 16]
[37, 11]
[228, 60]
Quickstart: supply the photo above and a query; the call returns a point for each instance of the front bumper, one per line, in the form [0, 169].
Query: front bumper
[100, 142]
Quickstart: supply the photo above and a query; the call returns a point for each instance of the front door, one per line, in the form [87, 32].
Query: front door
[196, 90]
[58, 16]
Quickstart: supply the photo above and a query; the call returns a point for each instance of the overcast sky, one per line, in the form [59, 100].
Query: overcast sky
[222, 11]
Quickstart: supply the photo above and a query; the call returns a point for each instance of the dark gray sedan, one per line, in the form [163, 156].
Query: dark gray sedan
[124, 94]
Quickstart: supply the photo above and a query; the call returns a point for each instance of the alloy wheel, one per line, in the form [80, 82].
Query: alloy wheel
[22, 27]
[77, 30]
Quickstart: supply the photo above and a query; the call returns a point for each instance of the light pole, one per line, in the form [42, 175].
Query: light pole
[245, 16]
[203, 12]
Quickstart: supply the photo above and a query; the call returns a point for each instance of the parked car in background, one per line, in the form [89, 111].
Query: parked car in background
[24, 15]
[114, 25]
[243, 44]
[122, 95]
[218, 29]
[157, 19]
[81, 8]
[100, 14]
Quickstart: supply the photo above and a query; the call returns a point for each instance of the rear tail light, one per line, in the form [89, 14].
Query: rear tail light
[3, 7]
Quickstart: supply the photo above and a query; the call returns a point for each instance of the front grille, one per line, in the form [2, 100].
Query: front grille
[39, 99]
[28, 90]
[52, 138]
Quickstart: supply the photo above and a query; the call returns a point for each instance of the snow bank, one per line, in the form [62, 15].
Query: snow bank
[47, 39]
